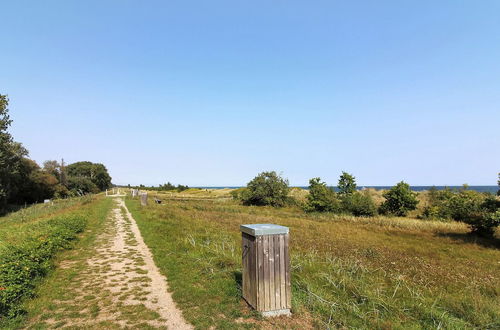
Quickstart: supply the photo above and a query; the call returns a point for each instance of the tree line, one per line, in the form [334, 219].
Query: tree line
[22, 180]
[481, 211]
[162, 187]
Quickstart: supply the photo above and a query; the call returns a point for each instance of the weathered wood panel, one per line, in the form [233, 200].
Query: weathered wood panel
[248, 272]
[287, 273]
[266, 271]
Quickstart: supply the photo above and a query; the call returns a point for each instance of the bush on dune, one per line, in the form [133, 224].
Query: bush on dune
[267, 188]
[321, 198]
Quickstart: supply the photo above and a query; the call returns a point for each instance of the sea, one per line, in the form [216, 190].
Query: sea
[490, 189]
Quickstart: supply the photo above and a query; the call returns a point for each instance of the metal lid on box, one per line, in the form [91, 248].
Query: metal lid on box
[263, 229]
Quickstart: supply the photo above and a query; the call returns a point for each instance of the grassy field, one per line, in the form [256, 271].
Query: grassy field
[31, 243]
[346, 271]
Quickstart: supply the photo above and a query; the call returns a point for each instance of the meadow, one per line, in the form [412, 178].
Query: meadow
[347, 272]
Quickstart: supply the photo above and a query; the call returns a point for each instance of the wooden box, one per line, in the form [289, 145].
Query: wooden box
[266, 268]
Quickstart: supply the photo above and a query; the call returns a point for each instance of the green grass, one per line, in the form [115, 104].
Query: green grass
[346, 271]
[35, 236]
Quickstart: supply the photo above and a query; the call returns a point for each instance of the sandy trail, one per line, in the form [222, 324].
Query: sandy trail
[160, 299]
[119, 285]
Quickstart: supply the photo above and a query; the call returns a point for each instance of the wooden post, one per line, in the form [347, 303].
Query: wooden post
[144, 198]
[266, 268]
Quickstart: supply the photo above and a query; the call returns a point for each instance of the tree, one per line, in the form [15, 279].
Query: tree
[95, 172]
[81, 185]
[399, 200]
[267, 188]
[321, 198]
[52, 167]
[498, 183]
[11, 154]
[347, 184]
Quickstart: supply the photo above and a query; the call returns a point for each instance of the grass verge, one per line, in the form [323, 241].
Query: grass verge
[29, 244]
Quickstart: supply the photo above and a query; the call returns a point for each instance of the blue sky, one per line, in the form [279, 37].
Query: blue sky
[213, 92]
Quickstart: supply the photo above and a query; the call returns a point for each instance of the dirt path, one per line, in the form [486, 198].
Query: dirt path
[118, 286]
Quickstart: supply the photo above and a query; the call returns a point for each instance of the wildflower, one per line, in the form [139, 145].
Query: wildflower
[1, 288]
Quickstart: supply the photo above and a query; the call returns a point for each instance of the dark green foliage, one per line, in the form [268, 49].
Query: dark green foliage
[31, 184]
[81, 185]
[267, 188]
[359, 204]
[498, 182]
[480, 211]
[399, 200]
[484, 221]
[238, 193]
[181, 188]
[346, 184]
[166, 187]
[97, 173]
[24, 262]
[321, 198]
[11, 154]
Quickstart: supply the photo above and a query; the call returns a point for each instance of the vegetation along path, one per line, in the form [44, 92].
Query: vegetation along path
[118, 284]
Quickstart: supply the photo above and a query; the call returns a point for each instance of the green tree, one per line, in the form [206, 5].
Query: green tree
[11, 154]
[321, 198]
[81, 185]
[498, 183]
[95, 172]
[267, 188]
[399, 200]
[52, 167]
[347, 184]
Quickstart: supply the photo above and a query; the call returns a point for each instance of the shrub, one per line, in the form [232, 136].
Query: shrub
[267, 188]
[359, 204]
[399, 200]
[238, 193]
[486, 218]
[23, 263]
[321, 198]
[346, 184]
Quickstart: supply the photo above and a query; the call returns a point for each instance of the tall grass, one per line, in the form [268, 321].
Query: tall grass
[346, 271]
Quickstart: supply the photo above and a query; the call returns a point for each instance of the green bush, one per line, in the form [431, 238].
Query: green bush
[321, 198]
[359, 204]
[480, 211]
[238, 193]
[486, 218]
[267, 188]
[24, 262]
[399, 200]
[347, 184]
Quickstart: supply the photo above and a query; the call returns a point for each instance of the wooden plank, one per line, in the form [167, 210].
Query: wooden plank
[277, 285]
[253, 272]
[272, 296]
[245, 272]
[265, 262]
[282, 272]
[260, 274]
[287, 273]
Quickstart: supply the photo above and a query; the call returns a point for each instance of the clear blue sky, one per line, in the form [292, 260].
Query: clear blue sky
[213, 92]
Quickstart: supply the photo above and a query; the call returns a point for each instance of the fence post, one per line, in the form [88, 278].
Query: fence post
[144, 198]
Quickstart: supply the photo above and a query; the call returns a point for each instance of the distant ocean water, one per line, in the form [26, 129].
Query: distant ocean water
[491, 189]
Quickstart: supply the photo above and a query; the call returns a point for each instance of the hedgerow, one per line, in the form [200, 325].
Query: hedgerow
[23, 263]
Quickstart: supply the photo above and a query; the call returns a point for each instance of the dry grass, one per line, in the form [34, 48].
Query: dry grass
[347, 271]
